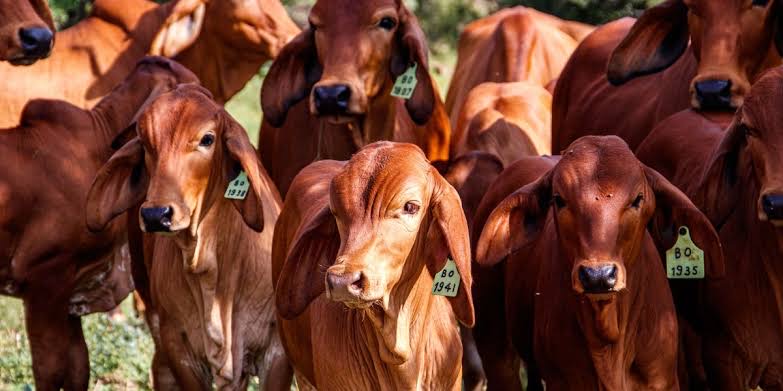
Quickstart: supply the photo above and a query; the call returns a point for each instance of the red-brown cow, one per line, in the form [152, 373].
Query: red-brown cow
[587, 301]
[356, 249]
[26, 31]
[733, 175]
[328, 93]
[732, 42]
[48, 257]
[514, 44]
[224, 42]
[210, 275]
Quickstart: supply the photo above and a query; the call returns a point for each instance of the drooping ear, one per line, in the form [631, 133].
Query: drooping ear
[673, 209]
[293, 73]
[314, 239]
[448, 236]
[241, 156]
[411, 48]
[515, 222]
[181, 28]
[120, 184]
[655, 42]
[717, 191]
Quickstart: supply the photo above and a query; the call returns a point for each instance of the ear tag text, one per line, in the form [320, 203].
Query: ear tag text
[405, 84]
[447, 280]
[238, 188]
[685, 260]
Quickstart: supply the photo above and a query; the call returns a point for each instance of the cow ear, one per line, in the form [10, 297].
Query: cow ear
[717, 192]
[655, 42]
[307, 219]
[411, 48]
[290, 78]
[181, 28]
[673, 210]
[515, 222]
[448, 237]
[242, 157]
[120, 184]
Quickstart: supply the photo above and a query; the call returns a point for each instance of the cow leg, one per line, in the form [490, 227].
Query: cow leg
[57, 346]
[177, 360]
[473, 377]
[280, 374]
[162, 374]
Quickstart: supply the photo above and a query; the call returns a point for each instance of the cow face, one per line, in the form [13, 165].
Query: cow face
[733, 41]
[601, 200]
[26, 31]
[350, 56]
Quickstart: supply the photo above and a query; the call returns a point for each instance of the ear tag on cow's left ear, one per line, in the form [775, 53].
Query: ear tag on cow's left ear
[447, 280]
[405, 84]
[685, 260]
[238, 188]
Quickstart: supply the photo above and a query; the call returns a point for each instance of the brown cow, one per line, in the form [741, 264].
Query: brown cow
[224, 42]
[508, 120]
[732, 42]
[356, 249]
[48, 258]
[514, 44]
[733, 176]
[587, 301]
[336, 78]
[210, 275]
[26, 31]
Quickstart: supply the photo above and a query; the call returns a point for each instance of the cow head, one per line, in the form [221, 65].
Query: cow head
[750, 156]
[733, 41]
[187, 151]
[396, 221]
[26, 31]
[350, 55]
[602, 200]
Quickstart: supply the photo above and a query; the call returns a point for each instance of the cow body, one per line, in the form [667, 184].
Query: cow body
[26, 31]
[728, 169]
[514, 44]
[389, 331]
[94, 55]
[50, 259]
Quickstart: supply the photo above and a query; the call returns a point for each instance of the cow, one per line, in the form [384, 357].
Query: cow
[508, 120]
[328, 93]
[587, 303]
[224, 42]
[356, 250]
[206, 250]
[626, 77]
[48, 257]
[26, 31]
[730, 172]
[514, 44]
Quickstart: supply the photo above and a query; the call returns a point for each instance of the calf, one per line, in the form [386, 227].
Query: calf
[26, 31]
[356, 249]
[329, 92]
[587, 301]
[209, 267]
[732, 174]
[48, 257]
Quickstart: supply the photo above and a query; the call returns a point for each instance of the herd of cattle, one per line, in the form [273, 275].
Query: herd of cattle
[381, 238]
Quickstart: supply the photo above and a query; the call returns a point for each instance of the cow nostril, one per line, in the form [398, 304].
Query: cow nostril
[157, 219]
[598, 279]
[714, 94]
[358, 282]
[36, 41]
[332, 100]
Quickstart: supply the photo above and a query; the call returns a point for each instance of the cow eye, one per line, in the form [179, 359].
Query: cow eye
[637, 202]
[558, 201]
[387, 23]
[411, 208]
[760, 3]
[207, 140]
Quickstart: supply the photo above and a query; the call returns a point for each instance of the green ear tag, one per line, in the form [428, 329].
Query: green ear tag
[405, 84]
[447, 280]
[685, 260]
[237, 189]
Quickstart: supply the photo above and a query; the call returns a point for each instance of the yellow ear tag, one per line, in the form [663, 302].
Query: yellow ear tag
[405, 84]
[685, 260]
[237, 189]
[447, 280]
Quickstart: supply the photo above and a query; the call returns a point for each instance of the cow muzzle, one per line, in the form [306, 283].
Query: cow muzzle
[713, 94]
[35, 44]
[349, 287]
[156, 219]
[332, 99]
[772, 209]
[598, 278]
